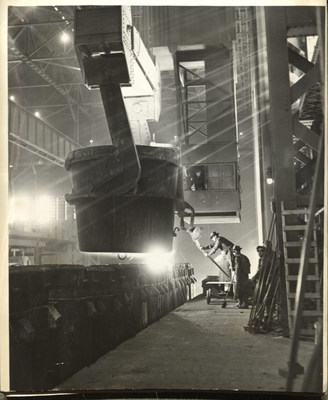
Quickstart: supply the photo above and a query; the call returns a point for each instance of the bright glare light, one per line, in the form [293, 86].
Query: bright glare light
[158, 260]
[12, 98]
[269, 181]
[37, 114]
[18, 209]
[31, 211]
[241, 133]
[44, 208]
[65, 37]
[158, 250]
[91, 140]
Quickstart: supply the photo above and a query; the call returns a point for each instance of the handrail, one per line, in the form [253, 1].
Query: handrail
[300, 289]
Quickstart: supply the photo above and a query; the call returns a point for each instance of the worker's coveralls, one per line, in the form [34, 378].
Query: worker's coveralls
[256, 276]
[220, 243]
[224, 259]
[242, 269]
[224, 263]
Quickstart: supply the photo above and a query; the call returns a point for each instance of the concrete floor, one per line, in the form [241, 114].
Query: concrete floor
[197, 346]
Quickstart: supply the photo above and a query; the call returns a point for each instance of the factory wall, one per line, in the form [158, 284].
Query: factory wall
[64, 317]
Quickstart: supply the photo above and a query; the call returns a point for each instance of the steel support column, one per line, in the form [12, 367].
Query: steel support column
[305, 134]
[281, 128]
[299, 61]
[305, 83]
[264, 119]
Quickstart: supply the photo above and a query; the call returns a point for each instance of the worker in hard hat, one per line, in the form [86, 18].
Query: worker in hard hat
[242, 269]
[265, 258]
[260, 251]
[218, 242]
[224, 259]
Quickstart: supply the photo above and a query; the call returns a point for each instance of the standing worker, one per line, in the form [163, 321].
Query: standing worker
[242, 269]
[199, 179]
[260, 251]
[265, 258]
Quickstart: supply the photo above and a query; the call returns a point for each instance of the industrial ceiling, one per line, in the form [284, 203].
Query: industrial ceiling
[45, 83]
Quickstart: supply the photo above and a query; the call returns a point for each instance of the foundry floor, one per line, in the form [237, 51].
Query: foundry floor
[197, 346]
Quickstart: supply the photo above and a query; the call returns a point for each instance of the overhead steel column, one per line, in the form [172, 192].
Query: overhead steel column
[281, 128]
[263, 100]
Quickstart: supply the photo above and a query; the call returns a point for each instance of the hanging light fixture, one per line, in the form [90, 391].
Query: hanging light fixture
[64, 37]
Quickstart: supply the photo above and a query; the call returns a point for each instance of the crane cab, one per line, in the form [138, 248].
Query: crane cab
[207, 133]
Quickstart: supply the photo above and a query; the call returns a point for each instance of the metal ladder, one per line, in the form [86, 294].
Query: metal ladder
[292, 253]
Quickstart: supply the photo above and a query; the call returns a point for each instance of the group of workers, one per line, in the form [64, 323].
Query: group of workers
[239, 266]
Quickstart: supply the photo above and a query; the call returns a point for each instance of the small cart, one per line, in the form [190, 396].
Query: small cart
[218, 290]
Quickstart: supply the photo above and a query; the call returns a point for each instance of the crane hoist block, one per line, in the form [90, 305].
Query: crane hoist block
[103, 38]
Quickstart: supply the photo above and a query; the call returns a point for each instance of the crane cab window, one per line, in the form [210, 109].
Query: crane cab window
[210, 177]
[221, 177]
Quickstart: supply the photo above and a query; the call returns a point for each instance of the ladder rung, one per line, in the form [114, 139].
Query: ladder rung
[297, 260]
[307, 332]
[298, 244]
[294, 227]
[294, 212]
[308, 278]
[308, 313]
[306, 295]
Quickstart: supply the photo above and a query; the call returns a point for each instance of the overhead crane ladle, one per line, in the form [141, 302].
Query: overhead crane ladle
[125, 194]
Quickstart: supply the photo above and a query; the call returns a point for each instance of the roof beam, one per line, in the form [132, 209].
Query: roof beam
[48, 40]
[45, 59]
[55, 112]
[46, 86]
[62, 65]
[60, 21]
[61, 105]
[52, 83]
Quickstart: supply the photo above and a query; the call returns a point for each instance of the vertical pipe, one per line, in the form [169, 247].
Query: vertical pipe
[257, 173]
[4, 280]
[323, 30]
[181, 131]
[263, 117]
[77, 118]
[256, 142]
